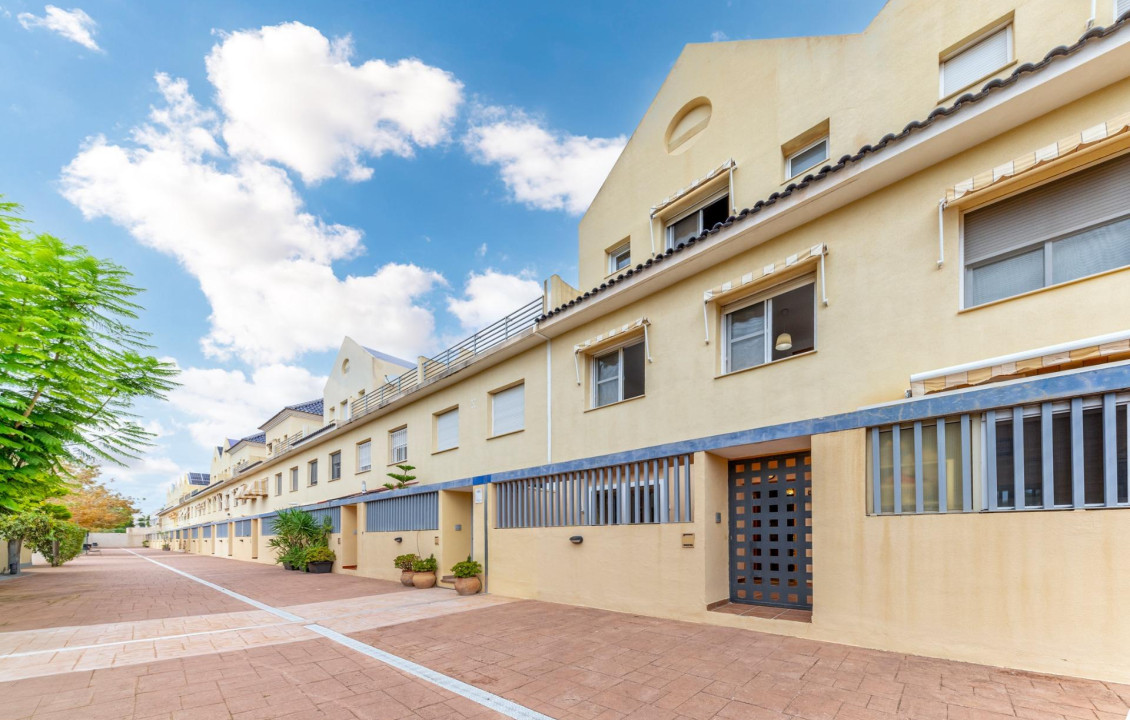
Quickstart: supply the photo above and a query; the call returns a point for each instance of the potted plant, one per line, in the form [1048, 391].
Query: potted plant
[319, 559]
[404, 562]
[144, 543]
[467, 576]
[166, 547]
[424, 572]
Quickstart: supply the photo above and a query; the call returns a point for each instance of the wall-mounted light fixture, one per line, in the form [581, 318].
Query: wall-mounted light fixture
[398, 539]
[576, 539]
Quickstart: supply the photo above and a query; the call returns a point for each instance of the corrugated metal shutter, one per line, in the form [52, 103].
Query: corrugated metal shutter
[508, 408]
[221, 530]
[207, 532]
[411, 512]
[267, 524]
[977, 61]
[447, 430]
[334, 514]
[1086, 198]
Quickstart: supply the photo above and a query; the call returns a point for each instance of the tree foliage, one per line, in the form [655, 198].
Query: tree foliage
[58, 540]
[71, 364]
[94, 506]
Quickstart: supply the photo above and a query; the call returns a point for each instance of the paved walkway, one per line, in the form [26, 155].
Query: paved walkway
[121, 636]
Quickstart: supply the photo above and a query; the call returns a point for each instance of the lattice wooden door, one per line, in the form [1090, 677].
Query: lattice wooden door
[771, 531]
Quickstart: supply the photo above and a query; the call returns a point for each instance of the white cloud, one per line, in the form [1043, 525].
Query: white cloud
[73, 24]
[545, 170]
[239, 226]
[143, 478]
[221, 403]
[490, 296]
[482, 251]
[291, 95]
[719, 36]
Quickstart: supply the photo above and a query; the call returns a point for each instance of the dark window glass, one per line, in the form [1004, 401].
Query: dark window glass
[794, 321]
[1061, 458]
[314, 472]
[633, 370]
[1005, 495]
[335, 466]
[715, 212]
[1033, 463]
[1093, 457]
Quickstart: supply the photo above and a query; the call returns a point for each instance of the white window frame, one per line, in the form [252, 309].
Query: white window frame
[312, 473]
[619, 372]
[1010, 55]
[336, 454]
[394, 457]
[360, 466]
[669, 223]
[766, 297]
[790, 173]
[494, 431]
[294, 479]
[615, 253]
[278, 484]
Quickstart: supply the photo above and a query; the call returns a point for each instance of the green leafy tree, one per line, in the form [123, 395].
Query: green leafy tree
[71, 364]
[58, 540]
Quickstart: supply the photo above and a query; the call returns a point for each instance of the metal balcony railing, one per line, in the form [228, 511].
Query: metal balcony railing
[455, 357]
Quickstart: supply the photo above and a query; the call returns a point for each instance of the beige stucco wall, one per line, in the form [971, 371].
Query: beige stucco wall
[1038, 590]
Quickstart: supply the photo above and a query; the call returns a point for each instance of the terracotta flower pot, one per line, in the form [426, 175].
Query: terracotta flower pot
[468, 586]
[406, 577]
[423, 580]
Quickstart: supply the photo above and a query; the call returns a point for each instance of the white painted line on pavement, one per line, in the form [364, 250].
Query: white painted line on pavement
[486, 699]
[243, 598]
[482, 697]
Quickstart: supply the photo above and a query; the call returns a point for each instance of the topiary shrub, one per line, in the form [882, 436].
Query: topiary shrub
[404, 562]
[320, 553]
[427, 564]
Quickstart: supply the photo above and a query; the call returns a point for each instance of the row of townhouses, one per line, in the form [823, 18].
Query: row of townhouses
[849, 359]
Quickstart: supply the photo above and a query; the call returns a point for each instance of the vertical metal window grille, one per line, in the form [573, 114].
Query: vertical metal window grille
[649, 491]
[409, 512]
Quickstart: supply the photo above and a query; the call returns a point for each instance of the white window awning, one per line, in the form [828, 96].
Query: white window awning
[666, 202]
[753, 281]
[611, 337]
[1037, 158]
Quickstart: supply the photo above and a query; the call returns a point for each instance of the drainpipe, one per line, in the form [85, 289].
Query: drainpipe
[941, 232]
[1091, 21]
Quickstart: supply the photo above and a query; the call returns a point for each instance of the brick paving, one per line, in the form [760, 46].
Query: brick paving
[580, 664]
[112, 587]
[230, 660]
[271, 584]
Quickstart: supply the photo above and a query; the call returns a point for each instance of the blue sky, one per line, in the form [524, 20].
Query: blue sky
[420, 167]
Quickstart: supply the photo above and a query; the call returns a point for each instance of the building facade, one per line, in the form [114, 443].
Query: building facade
[849, 362]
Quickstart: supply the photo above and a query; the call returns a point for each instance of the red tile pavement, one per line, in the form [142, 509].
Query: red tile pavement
[270, 583]
[312, 680]
[579, 663]
[111, 587]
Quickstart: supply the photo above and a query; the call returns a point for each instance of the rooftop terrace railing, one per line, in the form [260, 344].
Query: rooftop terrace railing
[454, 358]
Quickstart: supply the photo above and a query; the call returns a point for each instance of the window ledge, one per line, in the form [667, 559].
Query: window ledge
[506, 434]
[403, 462]
[764, 365]
[1037, 291]
[618, 402]
[445, 450]
[362, 472]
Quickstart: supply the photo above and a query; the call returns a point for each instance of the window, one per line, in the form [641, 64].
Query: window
[293, 479]
[508, 410]
[364, 456]
[806, 158]
[619, 258]
[702, 217]
[1062, 454]
[1121, 7]
[398, 446]
[447, 430]
[618, 375]
[1058, 232]
[975, 61]
[312, 473]
[345, 366]
[335, 466]
[345, 411]
[756, 331]
[278, 484]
